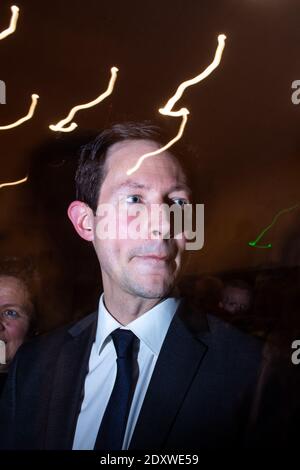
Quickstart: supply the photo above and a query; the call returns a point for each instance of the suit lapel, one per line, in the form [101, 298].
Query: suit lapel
[177, 364]
[68, 384]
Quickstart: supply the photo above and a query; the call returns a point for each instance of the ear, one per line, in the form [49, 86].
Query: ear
[81, 216]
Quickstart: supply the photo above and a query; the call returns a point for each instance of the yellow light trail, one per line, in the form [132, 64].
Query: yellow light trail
[167, 110]
[60, 126]
[34, 99]
[162, 149]
[13, 23]
[14, 183]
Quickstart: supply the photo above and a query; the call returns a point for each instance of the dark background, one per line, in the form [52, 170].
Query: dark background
[243, 124]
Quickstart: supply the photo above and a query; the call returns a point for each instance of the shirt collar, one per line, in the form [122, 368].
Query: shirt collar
[151, 327]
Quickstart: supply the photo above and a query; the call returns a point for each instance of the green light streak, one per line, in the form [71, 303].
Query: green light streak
[254, 244]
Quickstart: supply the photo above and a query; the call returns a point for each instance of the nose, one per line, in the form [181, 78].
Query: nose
[160, 221]
[2, 327]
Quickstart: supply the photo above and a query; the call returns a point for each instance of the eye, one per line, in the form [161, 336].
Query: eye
[134, 199]
[11, 314]
[180, 201]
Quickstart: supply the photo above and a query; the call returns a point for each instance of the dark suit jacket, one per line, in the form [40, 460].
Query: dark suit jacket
[3, 377]
[199, 395]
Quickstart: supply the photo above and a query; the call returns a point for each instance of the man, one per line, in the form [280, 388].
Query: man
[16, 315]
[236, 297]
[145, 371]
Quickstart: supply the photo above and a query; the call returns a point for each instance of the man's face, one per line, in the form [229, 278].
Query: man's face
[236, 300]
[146, 267]
[14, 314]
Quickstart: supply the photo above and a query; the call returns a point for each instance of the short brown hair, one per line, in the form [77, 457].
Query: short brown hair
[91, 167]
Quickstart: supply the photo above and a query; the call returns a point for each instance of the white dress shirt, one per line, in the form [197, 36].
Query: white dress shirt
[151, 329]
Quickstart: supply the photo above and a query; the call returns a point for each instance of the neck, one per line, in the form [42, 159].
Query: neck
[125, 307]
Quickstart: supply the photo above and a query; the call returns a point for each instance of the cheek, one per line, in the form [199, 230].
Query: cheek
[182, 255]
[112, 254]
[17, 331]
[181, 244]
[133, 223]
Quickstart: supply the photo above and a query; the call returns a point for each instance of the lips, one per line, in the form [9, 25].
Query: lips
[155, 256]
[154, 252]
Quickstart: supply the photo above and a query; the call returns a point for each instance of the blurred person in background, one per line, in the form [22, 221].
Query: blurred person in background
[236, 297]
[17, 313]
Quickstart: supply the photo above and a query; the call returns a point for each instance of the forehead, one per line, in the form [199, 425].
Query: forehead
[13, 290]
[161, 170]
[236, 292]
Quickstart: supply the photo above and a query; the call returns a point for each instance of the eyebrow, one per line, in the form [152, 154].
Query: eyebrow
[135, 185]
[10, 305]
[132, 184]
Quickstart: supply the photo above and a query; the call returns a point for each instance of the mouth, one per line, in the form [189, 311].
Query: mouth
[154, 261]
[154, 257]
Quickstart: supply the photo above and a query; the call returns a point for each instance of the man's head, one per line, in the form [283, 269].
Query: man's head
[149, 265]
[236, 297]
[16, 312]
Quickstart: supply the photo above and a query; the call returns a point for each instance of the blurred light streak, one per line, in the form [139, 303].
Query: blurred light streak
[269, 245]
[13, 23]
[60, 126]
[167, 110]
[14, 183]
[34, 99]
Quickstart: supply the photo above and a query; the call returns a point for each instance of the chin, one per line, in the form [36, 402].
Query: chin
[152, 290]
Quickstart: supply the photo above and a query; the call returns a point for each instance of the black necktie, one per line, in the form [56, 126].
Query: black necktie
[112, 428]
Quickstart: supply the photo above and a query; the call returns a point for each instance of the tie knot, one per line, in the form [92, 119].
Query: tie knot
[123, 341]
